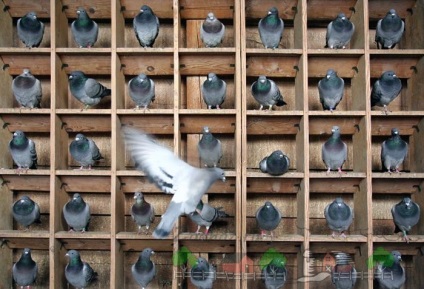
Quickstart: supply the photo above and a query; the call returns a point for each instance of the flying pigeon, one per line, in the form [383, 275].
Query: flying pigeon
[78, 273]
[334, 151]
[30, 30]
[385, 89]
[84, 29]
[87, 90]
[406, 214]
[27, 89]
[339, 32]
[390, 274]
[266, 92]
[343, 274]
[84, 151]
[339, 216]
[142, 212]
[144, 270]
[26, 212]
[271, 29]
[25, 271]
[23, 151]
[276, 164]
[268, 218]
[142, 90]
[393, 152]
[209, 148]
[205, 215]
[203, 274]
[77, 213]
[170, 174]
[331, 89]
[389, 30]
[212, 31]
[214, 91]
[275, 274]
[146, 26]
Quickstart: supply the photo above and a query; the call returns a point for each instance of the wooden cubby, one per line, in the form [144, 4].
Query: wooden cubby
[178, 62]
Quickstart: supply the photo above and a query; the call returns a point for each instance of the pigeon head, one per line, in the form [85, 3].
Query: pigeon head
[339, 201]
[73, 254]
[146, 8]
[31, 15]
[268, 205]
[335, 131]
[219, 173]
[77, 75]
[142, 77]
[388, 75]
[392, 13]
[18, 134]
[77, 197]
[211, 76]
[341, 16]
[397, 256]
[138, 196]
[80, 137]
[330, 73]
[26, 251]
[146, 253]
[407, 202]
[211, 16]
[273, 11]
[206, 129]
[19, 138]
[26, 72]
[82, 13]
[395, 131]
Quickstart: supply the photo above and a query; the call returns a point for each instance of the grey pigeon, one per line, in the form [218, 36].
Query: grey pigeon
[205, 215]
[389, 30]
[212, 31]
[146, 26]
[142, 90]
[209, 148]
[30, 30]
[406, 214]
[268, 218]
[390, 274]
[23, 151]
[25, 271]
[26, 212]
[27, 89]
[393, 152]
[142, 212]
[84, 29]
[334, 151]
[339, 216]
[276, 164]
[78, 273]
[144, 270]
[202, 274]
[87, 90]
[214, 91]
[170, 174]
[385, 89]
[84, 151]
[339, 32]
[343, 274]
[77, 213]
[275, 274]
[271, 29]
[266, 92]
[331, 89]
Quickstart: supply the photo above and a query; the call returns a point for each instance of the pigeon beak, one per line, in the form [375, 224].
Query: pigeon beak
[223, 179]
[394, 75]
[77, 138]
[153, 252]
[332, 130]
[269, 12]
[141, 10]
[135, 197]
[70, 77]
[15, 134]
[78, 12]
[209, 78]
[328, 76]
[343, 18]
[67, 255]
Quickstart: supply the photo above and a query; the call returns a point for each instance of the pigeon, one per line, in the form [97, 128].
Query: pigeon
[343, 274]
[339, 32]
[87, 90]
[146, 26]
[84, 151]
[30, 30]
[142, 90]
[214, 91]
[25, 271]
[84, 29]
[170, 174]
[406, 214]
[78, 273]
[144, 270]
[276, 164]
[389, 30]
[275, 274]
[385, 89]
[27, 90]
[331, 89]
[209, 148]
[393, 152]
[339, 216]
[202, 274]
[271, 29]
[266, 92]
[212, 31]
[77, 214]
[26, 212]
[23, 151]
[142, 212]
[268, 218]
[390, 274]
[205, 215]
[334, 151]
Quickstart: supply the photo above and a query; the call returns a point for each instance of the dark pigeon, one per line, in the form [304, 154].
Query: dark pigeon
[23, 151]
[146, 26]
[27, 90]
[205, 215]
[84, 151]
[142, 212]
[77, 213]
[26, 212]
[276, 164]
[339, 32]
[331, 90]
[271, 29]
[209, 148]
[84, 29]
[390, 274]
[203, 274]
[214, 91]
[393, 152]
[334, 151]
[144, 270]
[266, 93]
[275, 274]
[339, 216]
[212, 31]
[25, 271]
[268, 218]
[343, 274]
[389, 30]
[385, 89]
[142, 90]
[406, 214]
[30, 30]
[78, 273]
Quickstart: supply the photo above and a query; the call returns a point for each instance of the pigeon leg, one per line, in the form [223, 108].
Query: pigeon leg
[397, 170]
[341, 172]
[405, 237]
[139, 230]
[261, 107]
[209, 106]
[331, 110]
[71, 230]
[263, 233]
[89, 167]
[386, 111]
[270, 107]
[217, 107]
[333, 234]
[207, 230]
[343, 235]
[198, 230]
[328, 170]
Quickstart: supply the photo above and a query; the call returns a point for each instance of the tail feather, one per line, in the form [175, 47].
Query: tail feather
[280, 102]
[168, 220]
[106, 92]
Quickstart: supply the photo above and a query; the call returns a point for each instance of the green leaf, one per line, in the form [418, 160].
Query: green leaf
[271, 255]
[380, 256]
